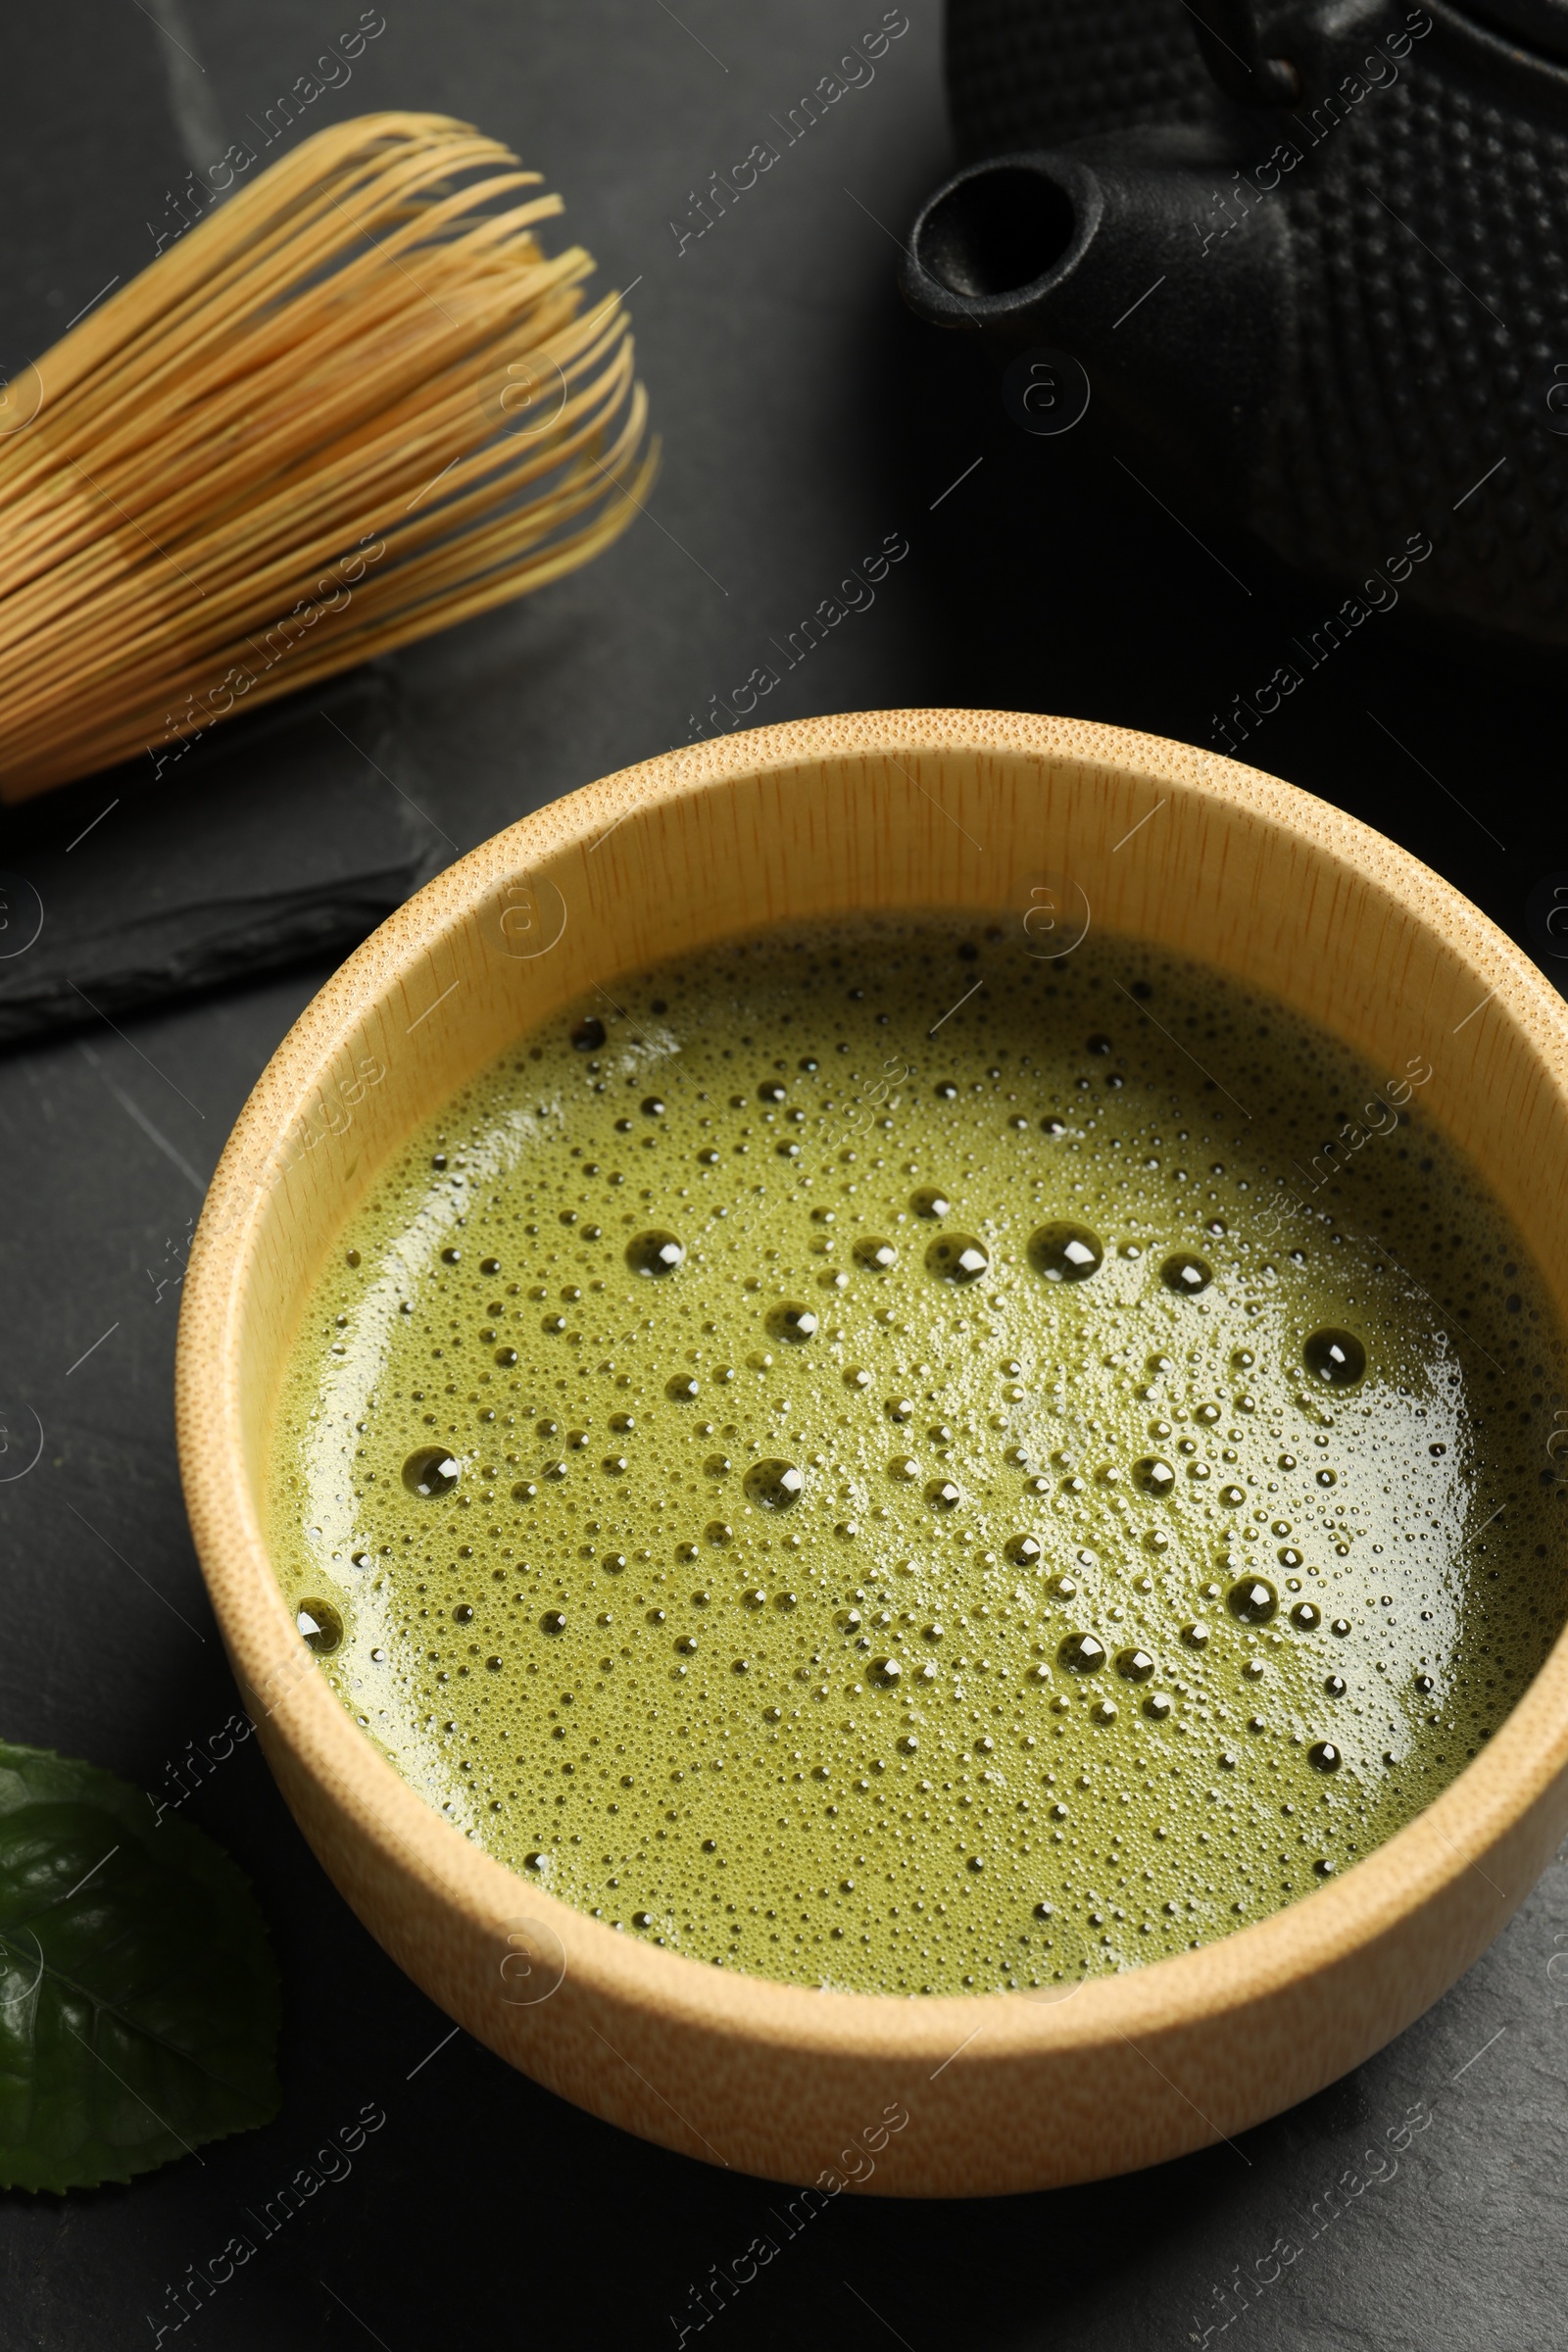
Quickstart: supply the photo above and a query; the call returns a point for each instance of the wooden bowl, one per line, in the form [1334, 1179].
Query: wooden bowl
[883, 810]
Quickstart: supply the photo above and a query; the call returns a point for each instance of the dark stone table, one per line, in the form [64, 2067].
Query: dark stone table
[1416, 2203]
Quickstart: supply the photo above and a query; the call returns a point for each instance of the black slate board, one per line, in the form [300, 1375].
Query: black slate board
[285, 836]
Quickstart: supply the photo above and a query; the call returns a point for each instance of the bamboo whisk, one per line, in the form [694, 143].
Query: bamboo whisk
[356, 403]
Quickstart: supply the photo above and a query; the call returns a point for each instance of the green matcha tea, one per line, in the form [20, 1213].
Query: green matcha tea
[870, 1458]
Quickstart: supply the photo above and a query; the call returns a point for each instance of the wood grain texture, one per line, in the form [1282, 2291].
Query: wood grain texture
[876, 810]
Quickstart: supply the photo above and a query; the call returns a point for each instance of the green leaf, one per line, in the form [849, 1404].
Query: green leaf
[139, 1994]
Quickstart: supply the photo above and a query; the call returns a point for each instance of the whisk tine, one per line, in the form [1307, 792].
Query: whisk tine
[356, 404]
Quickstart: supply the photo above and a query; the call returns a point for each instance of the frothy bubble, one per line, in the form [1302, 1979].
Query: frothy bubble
[1065, 1252]
[1338, 1358]
[654, 1253]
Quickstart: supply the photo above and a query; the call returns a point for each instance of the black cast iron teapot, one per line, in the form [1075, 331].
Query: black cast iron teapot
[1314, 252]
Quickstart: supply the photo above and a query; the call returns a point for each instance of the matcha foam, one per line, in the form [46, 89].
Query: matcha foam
[873, 1460]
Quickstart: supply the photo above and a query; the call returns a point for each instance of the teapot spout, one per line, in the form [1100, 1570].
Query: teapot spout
[1143, 256]
[996, 247]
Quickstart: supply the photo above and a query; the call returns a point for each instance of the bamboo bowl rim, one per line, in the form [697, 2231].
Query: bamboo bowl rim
[1351, 1916]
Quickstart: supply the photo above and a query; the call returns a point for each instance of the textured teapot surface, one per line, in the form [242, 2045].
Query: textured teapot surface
[1344, 234]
